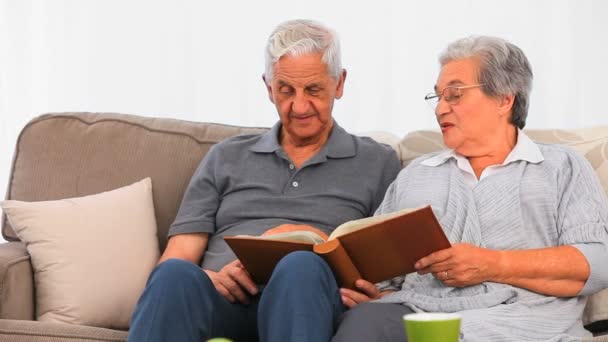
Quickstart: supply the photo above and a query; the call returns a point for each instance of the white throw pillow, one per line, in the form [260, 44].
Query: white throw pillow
[91, 255]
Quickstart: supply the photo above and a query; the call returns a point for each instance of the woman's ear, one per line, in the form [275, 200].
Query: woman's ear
[505, 104]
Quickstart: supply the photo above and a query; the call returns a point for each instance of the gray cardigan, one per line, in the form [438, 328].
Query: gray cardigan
[557, 201]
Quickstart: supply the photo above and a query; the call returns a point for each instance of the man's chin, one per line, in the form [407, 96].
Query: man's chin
[307, 135]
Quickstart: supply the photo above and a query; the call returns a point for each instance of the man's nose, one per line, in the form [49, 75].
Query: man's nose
[301, 104]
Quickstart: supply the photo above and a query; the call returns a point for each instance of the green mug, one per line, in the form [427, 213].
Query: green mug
[432, 327]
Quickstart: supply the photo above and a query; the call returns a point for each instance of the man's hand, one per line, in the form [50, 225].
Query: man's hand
[368, 291]
[233, 282]
[288, 227]
[461, 265]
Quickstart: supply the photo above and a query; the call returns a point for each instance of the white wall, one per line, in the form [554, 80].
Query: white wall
[203, 60]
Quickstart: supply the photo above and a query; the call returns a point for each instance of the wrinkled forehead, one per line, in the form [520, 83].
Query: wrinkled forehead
[303, 68]
[458, 72]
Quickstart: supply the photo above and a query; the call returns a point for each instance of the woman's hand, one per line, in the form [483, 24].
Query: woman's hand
[461, 265]
[553, 271]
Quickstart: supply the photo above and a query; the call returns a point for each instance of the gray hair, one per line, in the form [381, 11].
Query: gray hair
[301, 37]
[504, 70]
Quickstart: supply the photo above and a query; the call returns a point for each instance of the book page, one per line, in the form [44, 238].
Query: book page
[352, 226]
[294, 236]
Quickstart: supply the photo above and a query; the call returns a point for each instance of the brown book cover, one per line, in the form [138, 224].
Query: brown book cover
[374, 249]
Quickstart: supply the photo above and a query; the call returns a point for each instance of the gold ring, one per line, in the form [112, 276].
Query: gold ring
[446, 275]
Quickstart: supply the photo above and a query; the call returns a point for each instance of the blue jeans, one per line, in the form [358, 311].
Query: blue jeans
[301, 302]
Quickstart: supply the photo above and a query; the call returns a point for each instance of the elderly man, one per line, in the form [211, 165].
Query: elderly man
[528, 221]
[305, 173]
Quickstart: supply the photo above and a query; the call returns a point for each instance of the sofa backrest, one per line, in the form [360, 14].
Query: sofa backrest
[67, 155]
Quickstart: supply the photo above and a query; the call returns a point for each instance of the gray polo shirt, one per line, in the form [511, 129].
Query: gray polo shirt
[247, 185]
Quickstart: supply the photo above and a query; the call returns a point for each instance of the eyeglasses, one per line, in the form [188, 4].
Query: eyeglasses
[451, 95]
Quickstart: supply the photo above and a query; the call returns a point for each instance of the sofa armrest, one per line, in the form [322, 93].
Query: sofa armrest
[16, 282]
[595, 316]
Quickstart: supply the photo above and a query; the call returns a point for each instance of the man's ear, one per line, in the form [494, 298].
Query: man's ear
[505, 104]
[268, 88]
[340, 85]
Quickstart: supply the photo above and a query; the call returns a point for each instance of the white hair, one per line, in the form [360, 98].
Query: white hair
[504, 70]
[301, 37]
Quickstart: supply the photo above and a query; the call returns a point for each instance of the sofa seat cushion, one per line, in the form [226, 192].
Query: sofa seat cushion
[35, 331]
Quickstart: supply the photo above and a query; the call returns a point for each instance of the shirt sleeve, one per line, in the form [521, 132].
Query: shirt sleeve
[389, 167]
[388, 205]
[390, 170]
[583, 220]
[396, 189]
[201, 200]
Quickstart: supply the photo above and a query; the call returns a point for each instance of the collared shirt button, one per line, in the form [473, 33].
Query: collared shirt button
[295, 184]
[291, 166]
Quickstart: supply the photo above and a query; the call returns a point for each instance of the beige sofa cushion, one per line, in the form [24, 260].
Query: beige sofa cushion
[91, 255]
[591, 142]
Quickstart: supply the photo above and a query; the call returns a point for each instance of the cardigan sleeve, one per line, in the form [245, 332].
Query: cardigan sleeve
[583, 219]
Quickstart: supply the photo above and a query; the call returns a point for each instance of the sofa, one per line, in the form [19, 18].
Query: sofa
[65, 155]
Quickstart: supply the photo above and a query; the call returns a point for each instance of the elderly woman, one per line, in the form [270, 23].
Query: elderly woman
[528, 221]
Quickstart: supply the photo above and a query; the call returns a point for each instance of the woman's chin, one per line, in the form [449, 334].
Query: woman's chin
[450, 141]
